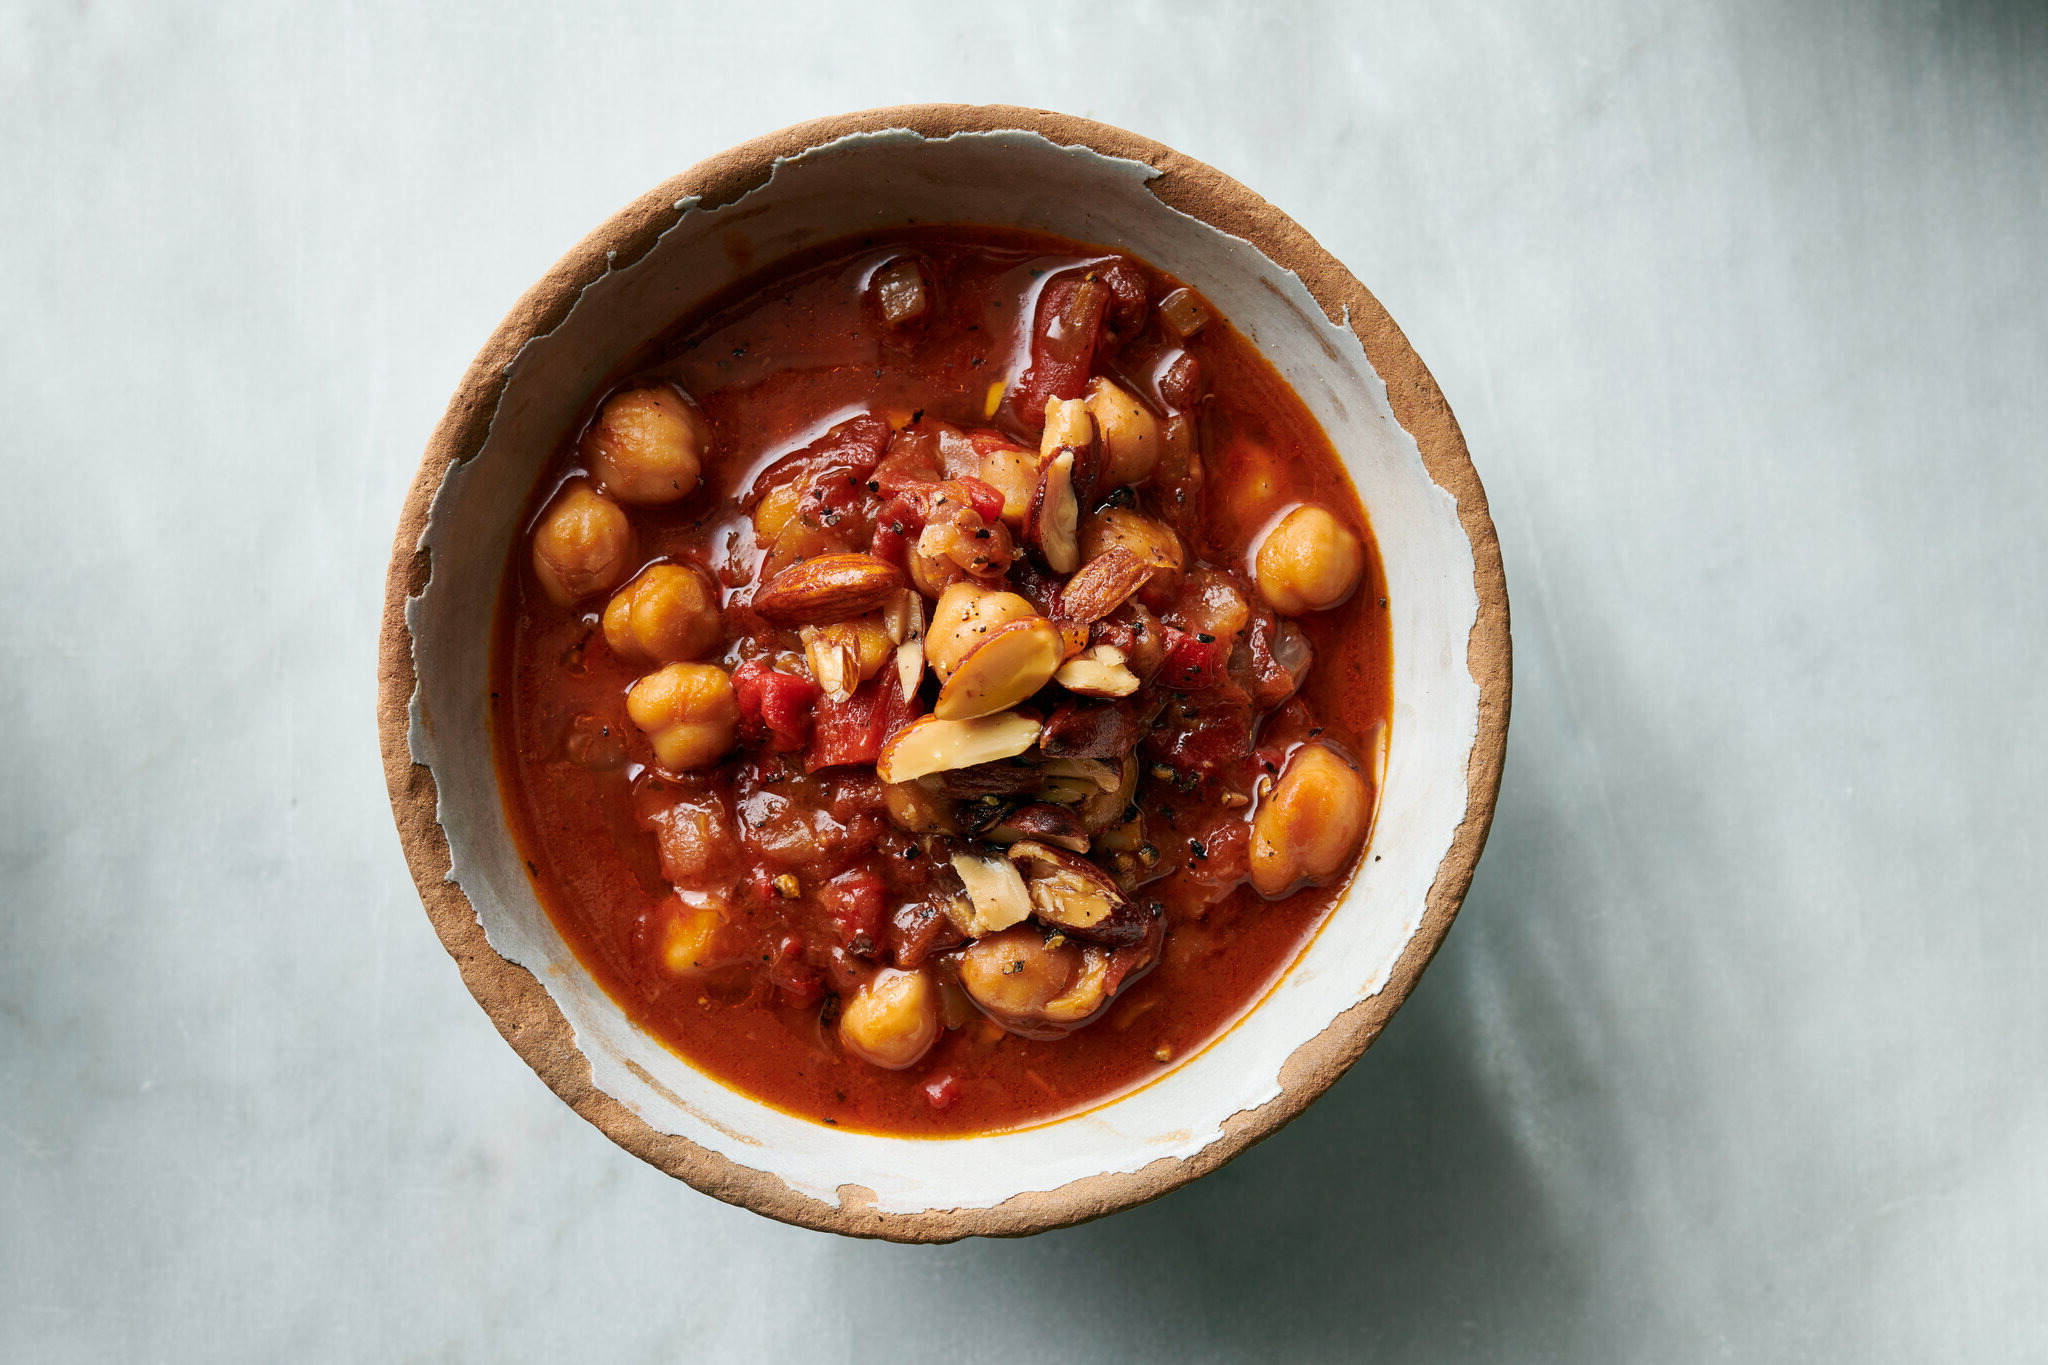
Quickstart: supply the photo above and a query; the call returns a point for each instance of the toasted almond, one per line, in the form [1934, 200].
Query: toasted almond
[995, 892]
[1068, 425]
[829, 588]
[833, 664]
[910, 666]
[1085, 770]
[1054, 523]
[1008, 665]
[931, 744]
[1066, 889]
[1047, 824]
[1097, 672]
[1073, 638]
[1103, 584]
[903, 617]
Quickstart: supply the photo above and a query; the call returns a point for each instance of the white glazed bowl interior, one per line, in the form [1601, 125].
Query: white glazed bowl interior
[881, 179]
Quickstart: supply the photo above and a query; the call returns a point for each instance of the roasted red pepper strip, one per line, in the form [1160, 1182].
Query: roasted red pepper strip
[1064, 335]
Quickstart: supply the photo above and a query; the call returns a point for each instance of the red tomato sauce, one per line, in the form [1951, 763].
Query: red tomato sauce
[772, 365]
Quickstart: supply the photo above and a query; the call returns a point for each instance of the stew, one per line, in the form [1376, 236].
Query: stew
[943, 682]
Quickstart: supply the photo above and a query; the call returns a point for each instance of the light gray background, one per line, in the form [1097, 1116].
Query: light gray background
[1738, 1048]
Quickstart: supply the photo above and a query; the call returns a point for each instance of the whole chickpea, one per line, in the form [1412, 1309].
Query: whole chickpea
[1309, 562]
[1130, 434]
[1014, 975]
[582, 544]
[666, 615]
[964, 617]
[689, 711]
[893, 1020]
[646, 446]
[1013, 472]
[1311, 824]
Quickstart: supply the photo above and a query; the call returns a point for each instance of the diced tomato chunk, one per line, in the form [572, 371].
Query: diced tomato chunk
[848, 451]
[941, 1091]
[984, 498]
[775, 707]
[794, 977]
[856, 900]
[853, 731]
[1194, 663]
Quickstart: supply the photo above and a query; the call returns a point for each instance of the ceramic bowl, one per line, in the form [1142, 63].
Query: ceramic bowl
[651, 263]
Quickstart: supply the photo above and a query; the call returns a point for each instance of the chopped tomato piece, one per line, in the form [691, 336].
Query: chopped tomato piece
[1194, 663]
[848, 451]
[856, 900]
[775, 707]
[853, 731]
[985, 499]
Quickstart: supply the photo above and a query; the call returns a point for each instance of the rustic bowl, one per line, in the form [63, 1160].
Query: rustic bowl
[653, 261]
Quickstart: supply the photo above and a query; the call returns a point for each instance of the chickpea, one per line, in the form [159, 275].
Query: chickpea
[646, 446]
[1013, 472]
[1014, 975]
[965, 615]
[1130, 434]
[1309, 562]
[893, 1020]
[583, 544]
[1312, 823]
[1151, 541]
[916, 809]
[774, 510]
[666, 615]
[694, 940]
[956, 546]
[690, 712]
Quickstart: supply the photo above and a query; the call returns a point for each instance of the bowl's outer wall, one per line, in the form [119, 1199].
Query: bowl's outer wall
[517, 1003]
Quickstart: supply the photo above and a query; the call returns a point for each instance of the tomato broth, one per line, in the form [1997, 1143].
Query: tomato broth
[915, 499]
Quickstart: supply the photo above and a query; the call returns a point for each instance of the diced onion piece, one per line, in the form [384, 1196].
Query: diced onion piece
[1183, 312]
[900, 289]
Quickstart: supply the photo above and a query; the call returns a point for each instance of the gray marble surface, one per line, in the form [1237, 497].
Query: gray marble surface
[1738, 1049]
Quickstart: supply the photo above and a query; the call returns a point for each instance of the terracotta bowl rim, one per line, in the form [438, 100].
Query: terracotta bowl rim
[517, 1003]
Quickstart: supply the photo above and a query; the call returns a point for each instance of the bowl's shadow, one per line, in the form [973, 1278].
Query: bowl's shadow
[1404, 1212]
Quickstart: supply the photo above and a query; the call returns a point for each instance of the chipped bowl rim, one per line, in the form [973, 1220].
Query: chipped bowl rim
[516, 1001]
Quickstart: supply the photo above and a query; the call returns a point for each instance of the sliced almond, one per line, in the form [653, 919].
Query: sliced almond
[1009, 664]
[1097, 672]
[1103, 584]
[931, 744]
[1091, 771]
[1053, 525]
[910, 666]
[1068, 425]
[1071, 892]
[1047, 824]
[904, 620]
[903, 617]
[834, 665]
[995, 892]
[829, 588]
